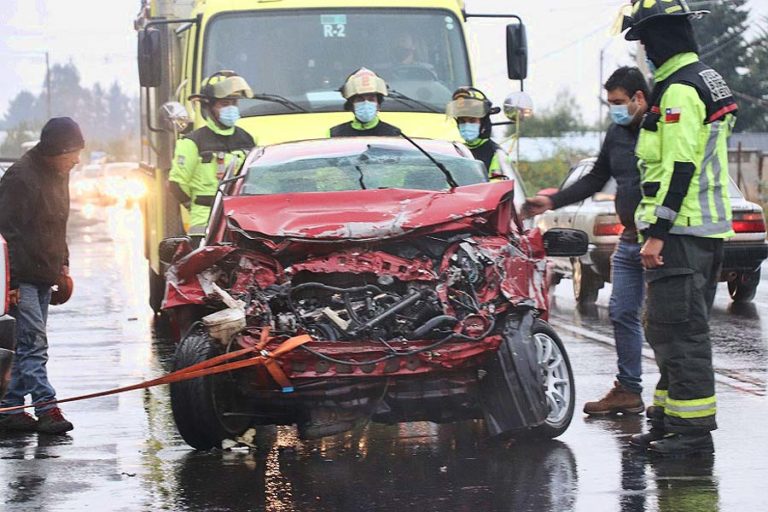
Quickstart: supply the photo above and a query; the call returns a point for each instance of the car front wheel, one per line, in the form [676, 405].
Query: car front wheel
[205, 408]
[744, 287]
[558, 381]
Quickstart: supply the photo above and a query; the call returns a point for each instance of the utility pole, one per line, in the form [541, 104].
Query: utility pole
[48, 82]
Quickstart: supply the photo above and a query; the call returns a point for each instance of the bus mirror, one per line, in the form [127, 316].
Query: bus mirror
[149, 57]
[175, 116]
[517, 52]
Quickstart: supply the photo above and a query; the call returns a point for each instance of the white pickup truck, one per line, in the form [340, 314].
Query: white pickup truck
[7, 323]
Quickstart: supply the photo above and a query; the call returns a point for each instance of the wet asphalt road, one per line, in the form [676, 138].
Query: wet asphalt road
[125, 454]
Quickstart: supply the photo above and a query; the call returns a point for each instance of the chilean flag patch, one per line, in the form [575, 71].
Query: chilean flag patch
[672, 115]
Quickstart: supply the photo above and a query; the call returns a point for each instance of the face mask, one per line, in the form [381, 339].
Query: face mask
[365, 111]
[469, 131]
[228, 116]
[620, 115]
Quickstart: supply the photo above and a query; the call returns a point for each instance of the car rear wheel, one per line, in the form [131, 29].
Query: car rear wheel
[586, 283]
[205, 408]
[559, 385]
[744, 287]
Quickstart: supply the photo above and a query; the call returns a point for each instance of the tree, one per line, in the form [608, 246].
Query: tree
[21, 109]
[753, 102]
[563, 116]
[11, 147]
[722, 45]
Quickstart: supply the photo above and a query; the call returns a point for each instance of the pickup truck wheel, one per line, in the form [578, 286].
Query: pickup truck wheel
[586, 283]
[558, 381]
[200, 406]
[744, 287]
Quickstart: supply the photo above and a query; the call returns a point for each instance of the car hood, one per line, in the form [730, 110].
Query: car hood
[361, 214]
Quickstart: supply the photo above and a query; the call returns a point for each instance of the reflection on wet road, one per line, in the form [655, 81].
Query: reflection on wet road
[125, 454]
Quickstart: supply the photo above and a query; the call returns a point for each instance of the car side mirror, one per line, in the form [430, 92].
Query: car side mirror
[149, 57]
[517, 52]
[565, 242]
[173, 247]
[175, 116]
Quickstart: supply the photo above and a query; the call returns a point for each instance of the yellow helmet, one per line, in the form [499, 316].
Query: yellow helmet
[363, 81]
[223, 84]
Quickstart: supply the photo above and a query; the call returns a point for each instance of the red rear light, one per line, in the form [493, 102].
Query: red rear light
[607, 225]
[748, 222]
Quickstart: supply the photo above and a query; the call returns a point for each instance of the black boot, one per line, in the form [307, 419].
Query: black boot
[643, 441]
[673, 445]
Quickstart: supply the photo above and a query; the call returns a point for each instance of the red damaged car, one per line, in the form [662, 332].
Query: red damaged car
[410, 283]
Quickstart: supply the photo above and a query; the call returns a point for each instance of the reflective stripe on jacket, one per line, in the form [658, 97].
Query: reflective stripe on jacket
[683, 153]
[200, 159]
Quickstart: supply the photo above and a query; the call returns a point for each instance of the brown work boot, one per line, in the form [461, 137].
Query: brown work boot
[19, 422]
[53, 422]
[618, 400]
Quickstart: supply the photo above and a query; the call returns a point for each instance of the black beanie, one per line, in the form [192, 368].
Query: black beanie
[60, 135]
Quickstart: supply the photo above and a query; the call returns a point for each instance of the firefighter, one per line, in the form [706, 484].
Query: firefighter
[364, 93]
[202, 157]
[683, 217]
[472, 111]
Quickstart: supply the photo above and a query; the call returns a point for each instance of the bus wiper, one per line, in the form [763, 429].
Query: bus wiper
[404, 99]
[276, 98]
[448, 176]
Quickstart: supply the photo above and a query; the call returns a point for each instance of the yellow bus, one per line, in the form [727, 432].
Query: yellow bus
[295, 54]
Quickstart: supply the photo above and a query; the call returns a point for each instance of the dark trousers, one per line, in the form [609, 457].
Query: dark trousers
[680, 295]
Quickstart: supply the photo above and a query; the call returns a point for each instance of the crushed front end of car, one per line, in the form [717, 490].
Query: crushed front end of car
[421, 306]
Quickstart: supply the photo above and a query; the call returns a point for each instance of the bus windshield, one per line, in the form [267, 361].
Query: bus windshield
[305, 57]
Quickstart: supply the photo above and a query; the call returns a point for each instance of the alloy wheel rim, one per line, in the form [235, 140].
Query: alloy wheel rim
[557, 382]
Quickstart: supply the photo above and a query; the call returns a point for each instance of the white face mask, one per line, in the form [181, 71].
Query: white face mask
[365, 111]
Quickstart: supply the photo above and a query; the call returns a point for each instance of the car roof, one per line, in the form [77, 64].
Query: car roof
[289, 151]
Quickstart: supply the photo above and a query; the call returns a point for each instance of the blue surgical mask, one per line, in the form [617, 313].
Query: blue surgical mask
[470, 132]
[620, 115]
[365, 111]
[229, 115]
[651, 65]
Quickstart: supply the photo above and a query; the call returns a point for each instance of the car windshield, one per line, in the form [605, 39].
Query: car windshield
[376, 168]
[305, 56]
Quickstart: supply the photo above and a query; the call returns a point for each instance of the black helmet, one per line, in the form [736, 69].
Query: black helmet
[471, 102]
[645, 10]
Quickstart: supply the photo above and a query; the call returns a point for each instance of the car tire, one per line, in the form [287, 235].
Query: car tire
[586, 283]
[744, 287]
[198, 404]
[527, 387]
[559, 385]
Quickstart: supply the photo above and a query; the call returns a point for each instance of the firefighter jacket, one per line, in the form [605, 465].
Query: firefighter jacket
[376, 128]
[683, 152]
[487, 151]
[34, 208]
[199, 163]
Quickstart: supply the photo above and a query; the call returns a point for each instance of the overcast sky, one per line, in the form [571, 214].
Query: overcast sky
[565, 41]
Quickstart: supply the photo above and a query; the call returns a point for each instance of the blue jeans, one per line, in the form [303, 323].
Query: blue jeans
[624, 309]
[29, 375]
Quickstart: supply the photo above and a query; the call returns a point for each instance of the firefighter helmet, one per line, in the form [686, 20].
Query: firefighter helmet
[471, 102]
[644, 11]
[363, 81]
[222, 85]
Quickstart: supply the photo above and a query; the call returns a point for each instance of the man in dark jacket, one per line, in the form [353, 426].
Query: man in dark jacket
[627, 94]
[34, 208]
